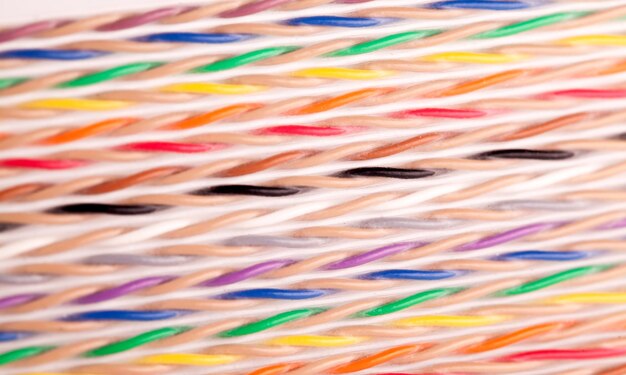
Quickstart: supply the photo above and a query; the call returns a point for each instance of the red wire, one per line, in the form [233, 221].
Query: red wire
[560, 354]
[42, 163]
[315, 131]
[589, 93]
[177, 147]
[440, 113]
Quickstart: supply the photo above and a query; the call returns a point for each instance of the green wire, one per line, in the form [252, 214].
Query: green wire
[8, 82]
[409, 301]
[135, 341]
[534, 23]
[105, 75]
[272, 321]
[288, 316]
[23, 353]
[244, 59]
[552, 279]
[266, 53]
[384, 42]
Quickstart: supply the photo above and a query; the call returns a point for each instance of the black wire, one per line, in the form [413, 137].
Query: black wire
[263, 191]
[526, 154]
[387, 172]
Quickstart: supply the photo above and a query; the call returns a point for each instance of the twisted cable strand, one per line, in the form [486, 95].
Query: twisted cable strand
[77, 212]
[251, 111]
[165, 41]
[230, 9]
[189, 91]
[246, 245]
[538, 358]
[233, 9]
[440, 270]
[168, 175]
[214, 142]
[301, 106]
[93, 237]
[348, 331]
[438, 219]
[544, 332]
[74, 159]
[404, 251]
[124, 126]
[283, 54]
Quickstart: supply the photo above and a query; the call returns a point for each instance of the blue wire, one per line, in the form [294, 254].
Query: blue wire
[292, 294]
[51, 54]
[11, 336]
[557, 256]
[412, 274]
[141, 315]
[480, 4]
[339, 21]
[208, 38]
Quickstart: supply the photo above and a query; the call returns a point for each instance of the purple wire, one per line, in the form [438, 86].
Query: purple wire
[123, 289]
[251, 8]
[614, 224]
[29, 29]
[18, 299]
[370, 256]
[246, 273]
[261, 268]
[261, 5]
[141, 19]
[508, 236]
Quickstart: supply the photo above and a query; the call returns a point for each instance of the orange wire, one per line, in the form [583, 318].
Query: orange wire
[379, 358]
[546, 126]
[278, 369]
[620, 370]
[395, 148]
[93, 129]
[19, 190]
[513, 337]
[259, 165]
[213, 116]
[477, 84]
[341, 100]
[615, 68]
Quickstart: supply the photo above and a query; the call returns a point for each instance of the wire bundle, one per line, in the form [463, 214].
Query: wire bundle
[269, 187]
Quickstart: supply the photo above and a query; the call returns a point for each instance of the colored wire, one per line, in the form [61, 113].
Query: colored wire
[188, 14]
[267, 53]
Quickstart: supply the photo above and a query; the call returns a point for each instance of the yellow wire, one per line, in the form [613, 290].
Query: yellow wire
[599, 297]
[212, 88]
[596, 40]
[450, 320]
[474, 57]
[318, 341]
[189, 359]
[343, 73]
[78, 104]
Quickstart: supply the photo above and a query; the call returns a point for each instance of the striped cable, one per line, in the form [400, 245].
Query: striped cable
[400, 251]
[41, 271]
[512, 261]
[282, 54]
[232, 9]
[76, 212]
[304, 106]
[364, 150]
[478, 344]
[124, 126]
[184, 229]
